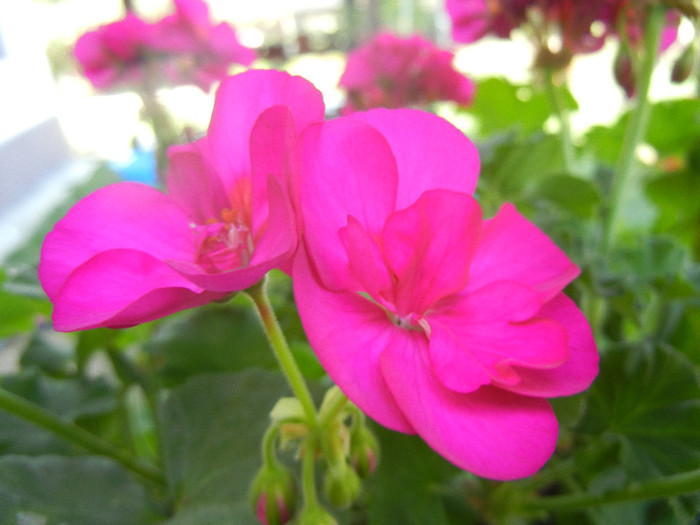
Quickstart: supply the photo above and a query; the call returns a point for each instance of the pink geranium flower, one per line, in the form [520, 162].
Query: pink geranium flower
[474, 19]
[185, 47]
[113, 53]
[431, 319]
[201, 51]
[394, 72]
[129, 253]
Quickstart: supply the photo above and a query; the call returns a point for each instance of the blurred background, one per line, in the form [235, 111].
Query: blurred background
[56, 128]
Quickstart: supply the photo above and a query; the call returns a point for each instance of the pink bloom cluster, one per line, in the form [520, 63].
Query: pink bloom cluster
[582, 26]
[394, 72]
[432, 319]
[184, 48]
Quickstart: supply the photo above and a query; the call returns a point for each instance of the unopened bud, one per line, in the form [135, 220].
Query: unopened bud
[273, 495]
[364, 452]
[341, 485]
[683, 67]
[624, 75]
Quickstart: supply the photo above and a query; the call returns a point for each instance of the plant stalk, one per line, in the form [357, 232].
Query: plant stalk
[637, 125]
[35, 414]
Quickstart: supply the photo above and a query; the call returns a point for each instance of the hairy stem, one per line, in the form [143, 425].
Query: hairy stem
[281, 350]
[637, 125]
[35, 414]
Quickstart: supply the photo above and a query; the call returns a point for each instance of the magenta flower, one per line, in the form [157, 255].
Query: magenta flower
[200, 52]
[129, 253]
[113, 53]
[394, 72]
[474, 19]
[185, 47]
[429, 318]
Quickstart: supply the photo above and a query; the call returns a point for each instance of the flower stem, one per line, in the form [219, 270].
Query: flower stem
[675, 485]
[281, 349]
[637, 125]
[28, 411]
[557, 103]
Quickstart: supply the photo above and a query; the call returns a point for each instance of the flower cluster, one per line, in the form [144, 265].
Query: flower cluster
[394, 72]
[430, 318]
[564, 27]
[185, 47]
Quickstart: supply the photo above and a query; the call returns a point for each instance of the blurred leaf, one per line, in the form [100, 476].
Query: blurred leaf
[51, 352]
[54, 490]
[215, 338]
[211, 450]
[572, 194]
[19, 312]
[674, 125]
[500, 105]
[70, 399]
[405, 487]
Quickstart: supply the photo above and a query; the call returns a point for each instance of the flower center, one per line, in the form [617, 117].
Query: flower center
[410, 322]
[224, 244]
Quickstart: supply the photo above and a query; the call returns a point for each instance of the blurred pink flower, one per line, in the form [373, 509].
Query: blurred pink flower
[201, 52]
[474, 19]
[184, 47]
[429, 318]
[390, 71]
[113, 53]
[129, 253]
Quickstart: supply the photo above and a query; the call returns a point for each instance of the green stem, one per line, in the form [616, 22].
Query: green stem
[28, 411]
[685, 483]
[281, 349]
[308, 476]
[637, 125]
[557, 103]
[332, 405]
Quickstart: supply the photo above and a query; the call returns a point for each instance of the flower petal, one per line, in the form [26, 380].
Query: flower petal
[430, 152]
[489, 331]
[347, 169]
[490, 432]
[123, 287]
[579, 371]
[192, 182]
[123, 215]
[348, 334]
[428, 247]
[514, 249]
[240, 99]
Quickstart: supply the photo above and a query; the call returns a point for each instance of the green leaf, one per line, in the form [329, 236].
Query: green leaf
[571, 194]
[216, 338]
[211, 450]
[500, 105]
[19, 313]
[647, 399]
[404, 488]
[54, 490]
[674, 125]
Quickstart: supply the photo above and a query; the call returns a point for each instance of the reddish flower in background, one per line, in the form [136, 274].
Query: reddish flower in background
[129, 253]
[431, 319]
[113, 53]
[201, 52]
[390, 71]
[185, 47]
[474, 19]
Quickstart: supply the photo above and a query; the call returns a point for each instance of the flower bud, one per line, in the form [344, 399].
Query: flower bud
[683, 67]
[624, 74]
[273, 495]
[364, 452]
[341, 485]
